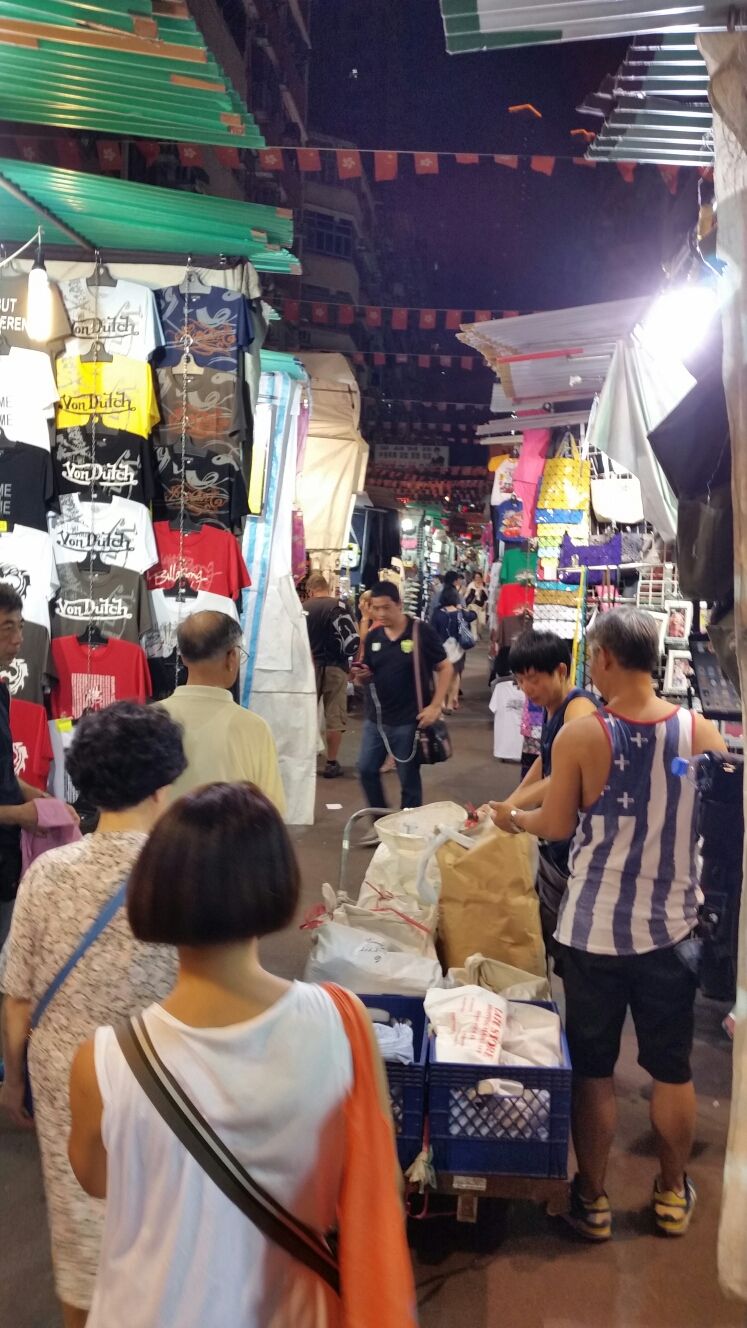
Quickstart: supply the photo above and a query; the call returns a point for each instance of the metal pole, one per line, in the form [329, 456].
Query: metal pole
[44, 212]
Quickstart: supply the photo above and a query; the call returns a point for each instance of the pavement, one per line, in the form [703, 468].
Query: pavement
[517, 1268]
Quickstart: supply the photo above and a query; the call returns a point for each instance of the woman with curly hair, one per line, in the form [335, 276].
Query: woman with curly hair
[122, 760]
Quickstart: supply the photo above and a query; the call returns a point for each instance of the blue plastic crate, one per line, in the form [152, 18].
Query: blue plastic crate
[523, 1135]
[406, 1082]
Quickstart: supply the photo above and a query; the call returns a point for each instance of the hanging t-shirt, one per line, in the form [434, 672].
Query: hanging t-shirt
[214, 488]
[116, 671]
[215, 411]
[26, 485]
[31, 673]
[119, 605]
[14, 294]
[519, 567]
[123, 465]
[169, 612]
[219, 323]
[27, 565]
[123, 318]
[507, 521]
[32, 748]
[515, 599]
[211, 561]
[121, 532]
[507, 705]
[503, 480]
[28, 394]
[119, 391]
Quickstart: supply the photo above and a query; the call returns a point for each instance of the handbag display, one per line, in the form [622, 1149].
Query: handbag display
[705, 545]
[434, 743]
[616, 499]
[596, 556]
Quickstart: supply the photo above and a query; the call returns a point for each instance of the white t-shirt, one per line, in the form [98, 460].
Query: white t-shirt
[123, 318]
[507, 705]
[274, 1089]
[503, 482]
[27, 565]
[169, 612]
[28, 393]
[120, 531]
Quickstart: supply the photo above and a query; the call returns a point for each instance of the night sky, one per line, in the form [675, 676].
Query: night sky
[492, 237]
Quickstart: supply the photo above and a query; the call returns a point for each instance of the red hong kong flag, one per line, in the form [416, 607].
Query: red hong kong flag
[190, 154]
[427, 319]
[271, 159]
[445, 361]
[379, 359]
[308, 159]
[291, 311]
[543, 165]
[453, 319]
[627, 170]
[349, 164]
[228, 157]
[319, 313]
[346, 315]
[483, 316]
[426, 163]
[29, 148]
[399, 320]
[358, 358]
[373, 317]
[150, 151]
[401, 359]
[467, 362]
[511, 162]
[68, 153]
[467, 158]
[424, 361]
[386, 165]
[109, 154]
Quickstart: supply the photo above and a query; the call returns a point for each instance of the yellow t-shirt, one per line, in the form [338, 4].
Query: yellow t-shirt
[120, 392]
[224, 742]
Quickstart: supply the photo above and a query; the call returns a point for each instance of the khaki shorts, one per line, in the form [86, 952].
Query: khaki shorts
[332, 689]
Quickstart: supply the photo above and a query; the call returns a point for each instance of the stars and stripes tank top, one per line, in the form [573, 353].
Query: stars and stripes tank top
[633, 885]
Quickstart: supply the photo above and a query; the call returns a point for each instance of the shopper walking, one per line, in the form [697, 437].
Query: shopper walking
[451, 623]
[122, 760]
[477, 598]
[334, 642]
[284, 1072]
[389, 665]
[222, 740]
[627, 918]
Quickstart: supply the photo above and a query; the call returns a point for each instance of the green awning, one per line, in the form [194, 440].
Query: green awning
[117, 215]
[117, 67]
[481, 25]
[277, 361]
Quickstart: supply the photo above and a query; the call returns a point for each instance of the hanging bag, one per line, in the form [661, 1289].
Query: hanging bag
[705, 545]
[465, 637]
[616, 499]
[434, 743]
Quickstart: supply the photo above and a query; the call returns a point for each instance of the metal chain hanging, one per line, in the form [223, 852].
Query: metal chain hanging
[92, 486]
[186, 343]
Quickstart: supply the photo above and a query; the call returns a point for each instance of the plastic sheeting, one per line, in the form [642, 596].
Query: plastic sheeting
[336, 457]
[637, 395]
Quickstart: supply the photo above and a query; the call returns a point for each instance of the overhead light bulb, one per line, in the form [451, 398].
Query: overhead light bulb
[679, 320]
[39, 304]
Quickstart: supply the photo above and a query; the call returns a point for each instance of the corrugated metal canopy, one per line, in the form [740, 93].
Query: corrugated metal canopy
[481, 25]
[137, 68]
[117, 215]
[560, 356]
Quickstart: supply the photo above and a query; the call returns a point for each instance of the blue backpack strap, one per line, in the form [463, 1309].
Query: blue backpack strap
[100, 923]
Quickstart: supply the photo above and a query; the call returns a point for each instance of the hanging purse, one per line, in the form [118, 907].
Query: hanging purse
[616, 499]
[705, 545]
[601, 557]
[433, 742]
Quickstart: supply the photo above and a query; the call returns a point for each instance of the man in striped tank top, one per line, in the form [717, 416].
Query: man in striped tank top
[629, 912]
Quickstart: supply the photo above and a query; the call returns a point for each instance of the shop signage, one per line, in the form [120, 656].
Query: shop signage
[411, 456]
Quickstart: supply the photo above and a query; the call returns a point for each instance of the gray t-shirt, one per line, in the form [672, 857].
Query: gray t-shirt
[120, 605]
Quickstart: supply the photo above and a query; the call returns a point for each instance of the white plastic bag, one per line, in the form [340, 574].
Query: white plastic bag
[403, 922]
[493, 975]
[532, 1036]
[408, 834]
[368, 963]
[469, 1024]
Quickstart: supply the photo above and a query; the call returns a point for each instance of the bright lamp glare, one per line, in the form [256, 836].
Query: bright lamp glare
[408, 524]
[679, 321]
[39, 312]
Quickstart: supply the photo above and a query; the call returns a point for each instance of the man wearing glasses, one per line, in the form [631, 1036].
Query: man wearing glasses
[223, 742]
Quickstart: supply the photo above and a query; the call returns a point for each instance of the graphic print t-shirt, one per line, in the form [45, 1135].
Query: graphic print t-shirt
[215, 413]
[120, 604]
[14, 293]
[32, 747]
[27, 565]
[219, 323]
[122, 318]
[26, 485]
[169, 612]
[214, 488]
[211, 561]
[119, 391]
[117, 672]
[28, 394]
[31, 672]
[121, 532]
[123, 466]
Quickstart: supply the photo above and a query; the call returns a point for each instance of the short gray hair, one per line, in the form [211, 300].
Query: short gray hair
[206, 636]
[631, 635]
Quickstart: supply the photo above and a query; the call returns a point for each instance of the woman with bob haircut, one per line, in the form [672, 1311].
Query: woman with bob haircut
[270, 1072]
[122, 761]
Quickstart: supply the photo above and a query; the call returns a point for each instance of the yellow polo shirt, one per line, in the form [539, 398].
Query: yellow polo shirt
[224, 742]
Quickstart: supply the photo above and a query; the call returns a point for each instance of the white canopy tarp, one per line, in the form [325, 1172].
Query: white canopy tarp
[334, 467]
[638, 394]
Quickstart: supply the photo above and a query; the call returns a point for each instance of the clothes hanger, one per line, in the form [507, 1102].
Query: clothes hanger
[192, 283]
[94, 563]
[98, 354]
[187, 523]
[187, 365]
[92, 636]
[180, 590]
[101, 276]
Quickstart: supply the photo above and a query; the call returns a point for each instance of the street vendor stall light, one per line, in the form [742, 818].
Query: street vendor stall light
[39, 310]
[408, 525]
[679, 320]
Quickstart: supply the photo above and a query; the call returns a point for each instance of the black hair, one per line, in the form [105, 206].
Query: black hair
[451, 578]
[219, 867]
[121, 755]
[631, 635]
[386, 590]
[10, 600]
[449, 598]
[207, 635]
[542, 651]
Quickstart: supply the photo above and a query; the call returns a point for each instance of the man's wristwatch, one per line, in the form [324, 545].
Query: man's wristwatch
[513, 815]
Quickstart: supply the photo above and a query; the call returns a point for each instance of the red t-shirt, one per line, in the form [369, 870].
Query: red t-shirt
[212, 561]
[118, 672]
[32, 748]
[515, 599]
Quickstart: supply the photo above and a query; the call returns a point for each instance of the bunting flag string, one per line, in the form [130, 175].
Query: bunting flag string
[398, 318]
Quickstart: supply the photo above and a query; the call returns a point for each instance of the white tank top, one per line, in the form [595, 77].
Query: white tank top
[176, 1252]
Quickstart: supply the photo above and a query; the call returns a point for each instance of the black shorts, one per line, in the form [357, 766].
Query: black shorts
[658, 989]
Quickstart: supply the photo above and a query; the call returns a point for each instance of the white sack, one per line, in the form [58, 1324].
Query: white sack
[469, 1024]
[368, 964]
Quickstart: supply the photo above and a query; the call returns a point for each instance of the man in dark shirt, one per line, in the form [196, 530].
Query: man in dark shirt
[334, 641]
[17, 799]
[389, 660]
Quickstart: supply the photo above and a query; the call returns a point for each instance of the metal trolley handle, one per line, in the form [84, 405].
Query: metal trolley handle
[347, 836]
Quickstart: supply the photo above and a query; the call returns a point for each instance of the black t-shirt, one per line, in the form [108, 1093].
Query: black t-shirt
[26, 485]
[123, 467]
[10, 790]
[333, 636]
[393, 666]
[215, 489]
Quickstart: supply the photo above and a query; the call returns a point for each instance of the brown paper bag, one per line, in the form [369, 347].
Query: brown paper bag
[489, 904]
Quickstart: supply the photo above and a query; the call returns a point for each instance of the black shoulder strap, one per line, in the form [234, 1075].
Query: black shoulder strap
[217, 1161]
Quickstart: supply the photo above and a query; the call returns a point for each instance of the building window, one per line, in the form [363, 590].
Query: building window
[326, 234]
